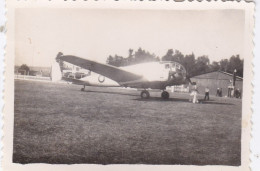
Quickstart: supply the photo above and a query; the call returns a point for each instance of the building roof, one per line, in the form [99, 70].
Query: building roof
[214, 74]
[230, 74]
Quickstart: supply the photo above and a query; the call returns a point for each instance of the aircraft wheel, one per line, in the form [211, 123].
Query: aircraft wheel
[145, 94]
[82, 89]
[165, 95]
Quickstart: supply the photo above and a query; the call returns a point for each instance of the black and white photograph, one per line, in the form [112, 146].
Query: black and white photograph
[131, 86]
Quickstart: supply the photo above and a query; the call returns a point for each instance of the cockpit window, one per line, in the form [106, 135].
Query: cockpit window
[175, 67]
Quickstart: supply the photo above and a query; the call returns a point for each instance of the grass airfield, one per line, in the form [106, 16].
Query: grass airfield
[58, 123]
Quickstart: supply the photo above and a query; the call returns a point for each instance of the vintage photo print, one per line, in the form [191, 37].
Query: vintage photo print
[128, 85]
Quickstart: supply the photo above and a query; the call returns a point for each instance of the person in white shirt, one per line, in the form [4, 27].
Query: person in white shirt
[206, 94]
[194, 93]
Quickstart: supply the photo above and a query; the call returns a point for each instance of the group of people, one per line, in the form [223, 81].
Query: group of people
[194, 93]
[232, 92]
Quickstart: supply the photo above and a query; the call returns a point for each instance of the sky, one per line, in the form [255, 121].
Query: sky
[95, 34]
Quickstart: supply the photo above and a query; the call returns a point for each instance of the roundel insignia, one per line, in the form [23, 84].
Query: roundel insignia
[101, 78]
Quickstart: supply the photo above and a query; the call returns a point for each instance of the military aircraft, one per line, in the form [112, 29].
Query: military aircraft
[144, 76]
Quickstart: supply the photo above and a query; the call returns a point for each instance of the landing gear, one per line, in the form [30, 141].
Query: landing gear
[83, 89]
[145, 94]
[165, 95]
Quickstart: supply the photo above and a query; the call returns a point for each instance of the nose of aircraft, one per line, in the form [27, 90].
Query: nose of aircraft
[187, 80]
[175, 74]
[178, 77]
[171, 75]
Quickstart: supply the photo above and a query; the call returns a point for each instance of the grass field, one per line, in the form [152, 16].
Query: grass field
[57, 123]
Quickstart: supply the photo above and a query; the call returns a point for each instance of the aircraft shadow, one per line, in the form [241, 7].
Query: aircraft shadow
[159, 99]
[107, 92]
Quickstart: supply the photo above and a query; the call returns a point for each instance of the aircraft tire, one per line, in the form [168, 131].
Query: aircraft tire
[165, 95]
[145, 94]
[82, 89]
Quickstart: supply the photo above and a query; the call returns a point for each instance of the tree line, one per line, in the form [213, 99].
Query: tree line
[193, 65]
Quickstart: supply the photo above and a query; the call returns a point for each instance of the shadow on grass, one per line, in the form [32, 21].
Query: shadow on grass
[107, 92]
[213, 102]
[159, 99]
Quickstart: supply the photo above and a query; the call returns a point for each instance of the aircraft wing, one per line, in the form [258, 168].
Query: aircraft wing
[109, 71]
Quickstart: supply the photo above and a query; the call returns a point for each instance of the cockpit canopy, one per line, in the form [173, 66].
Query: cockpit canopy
[175, 67]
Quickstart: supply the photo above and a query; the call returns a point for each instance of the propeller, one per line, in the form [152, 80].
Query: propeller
[177, 76]
[188, 80]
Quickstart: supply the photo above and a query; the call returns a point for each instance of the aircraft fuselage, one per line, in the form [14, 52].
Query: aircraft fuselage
[154, 75]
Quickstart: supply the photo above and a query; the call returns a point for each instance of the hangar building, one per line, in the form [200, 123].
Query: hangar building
[216, 79]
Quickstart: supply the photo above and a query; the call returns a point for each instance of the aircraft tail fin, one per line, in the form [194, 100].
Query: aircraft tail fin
[56, 74]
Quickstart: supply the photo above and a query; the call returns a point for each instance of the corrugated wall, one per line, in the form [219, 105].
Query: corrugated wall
[215, 80]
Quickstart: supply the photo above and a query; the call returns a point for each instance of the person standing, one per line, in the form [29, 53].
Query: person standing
[206, 94]
[217, 92]
[232, 90]
[194, 93]
[235, 93]
[229, 91]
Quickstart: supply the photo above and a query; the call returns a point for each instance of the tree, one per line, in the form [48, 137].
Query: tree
[168, 56]
[25, 68]
[130, 56]
[118, 61]
[136, 57]
[202, 65]
[171, 55]
[178, 57]
[193, 66]
[236, 63]
[224, 65]
[188, 63]
[215, 66]
[110, 60]
[139, 55]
